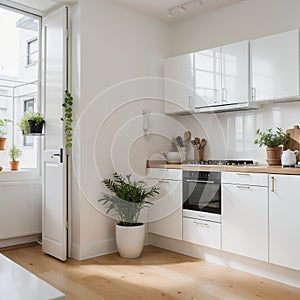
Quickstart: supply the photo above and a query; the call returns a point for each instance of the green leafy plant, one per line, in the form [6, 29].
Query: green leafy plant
[3, 123]
[36, 117]
[127, 198]
[270, 138]
[68, 118]
[14, 153]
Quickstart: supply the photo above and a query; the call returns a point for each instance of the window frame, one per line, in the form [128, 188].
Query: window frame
[29, 53]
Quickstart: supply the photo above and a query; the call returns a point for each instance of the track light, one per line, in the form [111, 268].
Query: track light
[182, 7]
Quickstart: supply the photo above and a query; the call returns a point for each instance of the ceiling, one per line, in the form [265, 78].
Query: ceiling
[154, 8]
[36, 6]
[159, 8]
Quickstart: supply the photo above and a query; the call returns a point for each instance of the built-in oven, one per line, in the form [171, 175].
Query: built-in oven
[202, 195]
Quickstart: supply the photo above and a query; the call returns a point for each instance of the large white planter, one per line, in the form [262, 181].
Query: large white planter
[130, 240]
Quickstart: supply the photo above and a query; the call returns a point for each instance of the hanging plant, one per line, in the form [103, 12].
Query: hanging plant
[68, 119]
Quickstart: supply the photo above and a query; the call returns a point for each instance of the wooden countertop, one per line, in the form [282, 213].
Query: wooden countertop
[247, 168]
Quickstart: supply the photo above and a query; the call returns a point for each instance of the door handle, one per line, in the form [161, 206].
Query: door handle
[60, 155]
[200, 181]
[273, 184]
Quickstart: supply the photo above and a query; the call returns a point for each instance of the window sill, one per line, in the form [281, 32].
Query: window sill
[20, 175]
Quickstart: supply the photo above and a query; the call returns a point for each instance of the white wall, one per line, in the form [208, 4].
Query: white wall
[115, 44]
[245, 20]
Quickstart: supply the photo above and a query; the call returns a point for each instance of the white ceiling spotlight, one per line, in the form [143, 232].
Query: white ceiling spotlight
[183, 7]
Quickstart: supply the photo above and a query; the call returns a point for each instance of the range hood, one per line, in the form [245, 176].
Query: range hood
[227, 107]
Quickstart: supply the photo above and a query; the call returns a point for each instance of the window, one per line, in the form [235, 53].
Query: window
[32, 51]
[28, 106]
[19, 83]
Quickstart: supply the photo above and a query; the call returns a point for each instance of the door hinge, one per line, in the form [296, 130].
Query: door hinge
[67, 225]
[67, 34]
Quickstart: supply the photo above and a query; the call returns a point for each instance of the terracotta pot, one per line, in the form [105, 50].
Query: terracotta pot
[2, 143]
[274, 156]
[14, 165]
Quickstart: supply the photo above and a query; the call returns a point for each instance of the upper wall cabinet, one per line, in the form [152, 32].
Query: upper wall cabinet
[178, 84]
[275, 66]
[222, 78]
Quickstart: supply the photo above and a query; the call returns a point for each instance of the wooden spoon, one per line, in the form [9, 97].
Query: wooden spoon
[197, 141]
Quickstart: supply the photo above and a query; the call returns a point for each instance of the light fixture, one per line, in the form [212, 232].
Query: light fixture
[182, 7]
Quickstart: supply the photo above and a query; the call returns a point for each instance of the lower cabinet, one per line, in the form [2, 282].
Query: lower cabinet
[284, 215]
[245, 219]
[165, 215]
[201, 232]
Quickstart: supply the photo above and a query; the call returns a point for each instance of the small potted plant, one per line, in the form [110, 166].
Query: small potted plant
[274, 142]
[32, 122]
[126, 200]
[14, 154]
[3, 132]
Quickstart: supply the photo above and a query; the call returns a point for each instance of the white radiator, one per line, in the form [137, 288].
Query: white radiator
[20, 209]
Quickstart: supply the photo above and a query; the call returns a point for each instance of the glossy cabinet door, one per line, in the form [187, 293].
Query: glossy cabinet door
[178, 84]
[245, 220]
[284, 218]
[235, 73]
[165, 215]
[207, 86]
[275, 66]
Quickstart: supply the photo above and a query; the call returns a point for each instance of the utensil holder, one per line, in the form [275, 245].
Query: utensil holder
[198, 154]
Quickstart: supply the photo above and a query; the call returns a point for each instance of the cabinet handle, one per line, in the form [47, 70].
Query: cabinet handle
[243, 187]
[202, 224]
[253, 93]
[163, 181]
[200, 181]
[243, 174]
[273, 184]
[190, 101]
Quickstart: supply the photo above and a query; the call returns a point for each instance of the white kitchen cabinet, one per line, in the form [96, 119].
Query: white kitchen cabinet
[207, 86]
[178, 84]
[245, 219]
[222, 75]
[284, 216]
[235, 73]
[165, 215]
[201, 232]
[275, 66]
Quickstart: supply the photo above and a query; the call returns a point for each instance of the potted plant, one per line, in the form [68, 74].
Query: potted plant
[14, 154]
[274, 142]
[32, 122]
[3, 132]
[126, 200]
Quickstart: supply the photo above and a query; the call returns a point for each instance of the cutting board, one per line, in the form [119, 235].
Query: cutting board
[294, 140]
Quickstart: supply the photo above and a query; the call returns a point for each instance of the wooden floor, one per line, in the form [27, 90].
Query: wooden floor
[158, 274]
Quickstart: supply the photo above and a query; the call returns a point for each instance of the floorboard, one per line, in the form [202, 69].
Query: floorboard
[157, 274]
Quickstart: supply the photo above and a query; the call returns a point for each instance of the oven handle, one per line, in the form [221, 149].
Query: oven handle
[200, 181]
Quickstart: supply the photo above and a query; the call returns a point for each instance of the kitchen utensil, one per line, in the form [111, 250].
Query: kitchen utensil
[289, 157]
[193, 142]
[203, 143]
[294, 140]
[179, 141]
[187, 137]
[197, 141]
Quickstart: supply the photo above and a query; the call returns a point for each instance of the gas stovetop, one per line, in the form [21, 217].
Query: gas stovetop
[228, 162]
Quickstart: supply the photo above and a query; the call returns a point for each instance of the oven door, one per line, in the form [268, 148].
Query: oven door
[202, 195]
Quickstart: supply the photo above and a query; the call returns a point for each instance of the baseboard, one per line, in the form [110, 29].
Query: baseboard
[85, 251]
[18, 240]
[259, 268]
